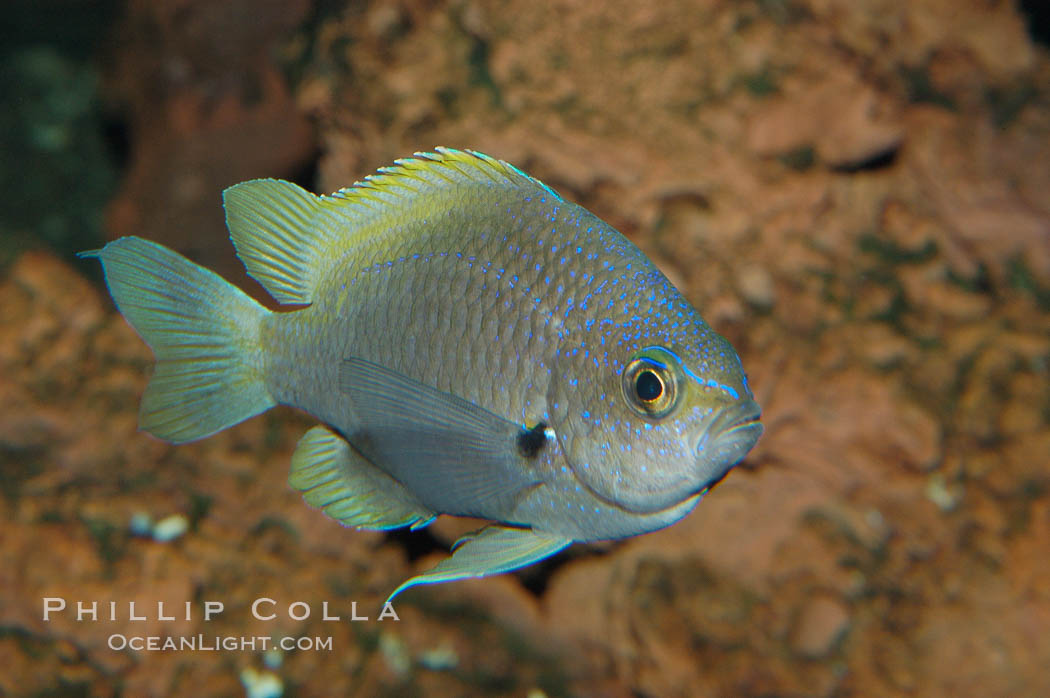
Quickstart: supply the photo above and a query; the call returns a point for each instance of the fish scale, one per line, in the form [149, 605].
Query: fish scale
[471, 343]
[378, 288]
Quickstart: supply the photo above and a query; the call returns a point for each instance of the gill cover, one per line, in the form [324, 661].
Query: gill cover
[628, 450]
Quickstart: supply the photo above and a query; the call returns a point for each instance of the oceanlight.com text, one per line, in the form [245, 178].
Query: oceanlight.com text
[215, 643]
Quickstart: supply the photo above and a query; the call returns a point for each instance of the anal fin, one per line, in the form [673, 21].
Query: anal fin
[492, 550]
[337, 479]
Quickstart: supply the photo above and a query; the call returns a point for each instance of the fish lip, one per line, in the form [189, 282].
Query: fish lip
[743, 414]
[739, 416]
[730, 434]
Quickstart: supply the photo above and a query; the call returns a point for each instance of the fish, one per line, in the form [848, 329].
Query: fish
[471, 343]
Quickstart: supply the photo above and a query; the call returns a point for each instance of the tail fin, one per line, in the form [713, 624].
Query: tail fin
[204, 332]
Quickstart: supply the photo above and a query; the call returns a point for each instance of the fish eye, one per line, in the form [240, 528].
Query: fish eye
[649, 386]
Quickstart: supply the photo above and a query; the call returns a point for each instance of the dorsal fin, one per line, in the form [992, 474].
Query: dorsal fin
[273, 225]
[286, 236]
[411, 187]
[444, 168]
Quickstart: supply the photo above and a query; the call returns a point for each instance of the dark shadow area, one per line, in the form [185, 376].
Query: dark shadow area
[879, 161]
[74, 27]
[307, 173]
[1037, 15]
[418, 543]
[536, 578]
[62, 153]
[116, 135]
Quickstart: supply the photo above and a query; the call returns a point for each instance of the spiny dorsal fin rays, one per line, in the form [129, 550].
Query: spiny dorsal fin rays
[445, 166]
[273, 227]
[288, 237]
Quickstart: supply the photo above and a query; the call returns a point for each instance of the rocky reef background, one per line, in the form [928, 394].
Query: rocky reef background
[856, 193]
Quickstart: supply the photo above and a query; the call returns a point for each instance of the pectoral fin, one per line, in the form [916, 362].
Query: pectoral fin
[338, 480]
[492, 550]
[457, 457]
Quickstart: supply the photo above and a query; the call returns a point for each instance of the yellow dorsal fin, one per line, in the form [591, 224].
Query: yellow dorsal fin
[273, 225]
[442, 169]
[286, 236]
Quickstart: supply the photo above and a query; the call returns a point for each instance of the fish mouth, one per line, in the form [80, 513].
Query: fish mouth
[726, 440]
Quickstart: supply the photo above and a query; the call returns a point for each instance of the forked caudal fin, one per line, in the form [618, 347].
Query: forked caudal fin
[204, 332]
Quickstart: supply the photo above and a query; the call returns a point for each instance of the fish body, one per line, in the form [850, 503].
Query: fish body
[473, 344]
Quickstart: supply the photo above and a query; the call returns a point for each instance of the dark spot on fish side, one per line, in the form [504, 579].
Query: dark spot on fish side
[531, 441]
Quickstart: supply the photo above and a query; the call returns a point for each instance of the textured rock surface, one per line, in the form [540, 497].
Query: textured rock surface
[853, 192]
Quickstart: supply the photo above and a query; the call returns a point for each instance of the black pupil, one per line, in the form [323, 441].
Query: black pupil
[648, 386]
